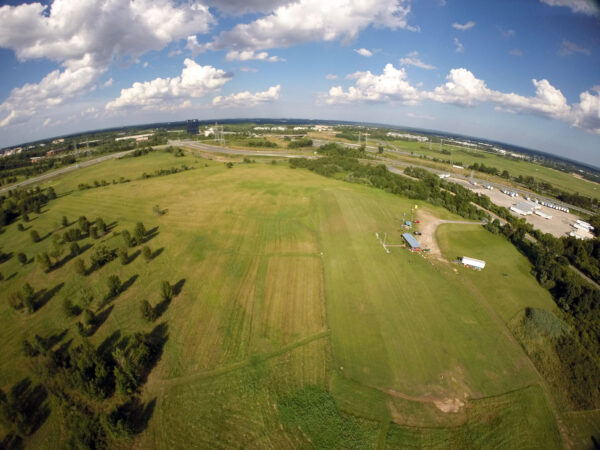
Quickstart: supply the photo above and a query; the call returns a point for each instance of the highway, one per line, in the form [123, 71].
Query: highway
[63, 170]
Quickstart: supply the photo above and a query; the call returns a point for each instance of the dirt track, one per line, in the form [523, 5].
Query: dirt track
[428, 227]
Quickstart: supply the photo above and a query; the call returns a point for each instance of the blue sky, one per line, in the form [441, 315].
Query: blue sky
[524, 72]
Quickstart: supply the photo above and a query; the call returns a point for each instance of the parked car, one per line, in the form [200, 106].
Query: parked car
[418, 233]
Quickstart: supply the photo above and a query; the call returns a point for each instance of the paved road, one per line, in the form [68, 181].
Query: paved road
[55, 173]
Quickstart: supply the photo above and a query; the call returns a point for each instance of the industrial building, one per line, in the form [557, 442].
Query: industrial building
[472, 262]
[193, 126]
[415, 246]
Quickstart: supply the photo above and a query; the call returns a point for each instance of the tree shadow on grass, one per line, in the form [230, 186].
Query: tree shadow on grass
[110, 227]
[177, 287]
[68, 257]
[99, 320]
[44, 296]
[156, 339]
[128, 283]
[5, 256]
[133, 256]
[109, 344]
[12, 275]
[151, 234]
[32, 404]
[157, 252]
[135, 413]
[12, 442]
[55, 338]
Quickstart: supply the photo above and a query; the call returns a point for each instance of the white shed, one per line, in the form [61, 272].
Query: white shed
[472, 262]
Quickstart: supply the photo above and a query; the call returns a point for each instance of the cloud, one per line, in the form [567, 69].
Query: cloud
[459, 47]
[569, 48]
[175, 52]
[145, 64]
[108, 83]
[390, 86]
[516, 52]
[364, 52]
[195, 81]
[443, 2]
[588, 7]
[508, 33]
[331, 76]
[312, 20]
[85, 37]
[46, 122]
[470, 24]
[412, 59]
[53, 90]
[240, 7]
[247, 99]
[586, 114]
[249, 55]
[248, 69]
[462, 88]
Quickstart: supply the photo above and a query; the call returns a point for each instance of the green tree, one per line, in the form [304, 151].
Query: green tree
[83, 224]
[114, 286]
[139, 232]
[147, 310]
[74, 248]
[88, 318]
[380, 149]
[101, 226]
[127, 240]
[147, 253]
[20, 227]
[44, 261]
[166, 291]
[28, 297]
[65, 222]
[80, 268]
[123, 256]
[70, 309]
[22, 257]
[35, 236]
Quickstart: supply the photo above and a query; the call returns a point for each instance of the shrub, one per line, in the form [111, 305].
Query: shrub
[80, 267]
[147, 253]
[35, 236]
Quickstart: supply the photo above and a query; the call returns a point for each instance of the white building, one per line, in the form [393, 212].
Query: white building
[472, 262]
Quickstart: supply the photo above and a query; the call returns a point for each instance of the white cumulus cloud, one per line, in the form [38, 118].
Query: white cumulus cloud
[464, 89]
[195, 81]
[459, 48]
[412, 59]
[312, 20]
[85, 37]
[390, 86]
[364, 52]
[247, 99]
[331, 76]
[250, 55]
[569, 48]
[463, 27]
[589, 7]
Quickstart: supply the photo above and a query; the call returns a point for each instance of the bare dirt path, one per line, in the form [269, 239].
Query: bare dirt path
[428, 226]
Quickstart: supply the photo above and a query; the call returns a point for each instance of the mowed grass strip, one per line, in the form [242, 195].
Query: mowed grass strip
[506, 282]
[399, 323]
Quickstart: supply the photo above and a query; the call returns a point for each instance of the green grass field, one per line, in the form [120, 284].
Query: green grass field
[467, 157]
[291, 315]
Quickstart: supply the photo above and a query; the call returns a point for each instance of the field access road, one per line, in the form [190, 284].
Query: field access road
[63, 170]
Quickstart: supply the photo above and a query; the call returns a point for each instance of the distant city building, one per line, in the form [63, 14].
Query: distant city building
[193, 126]
[137, 137]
